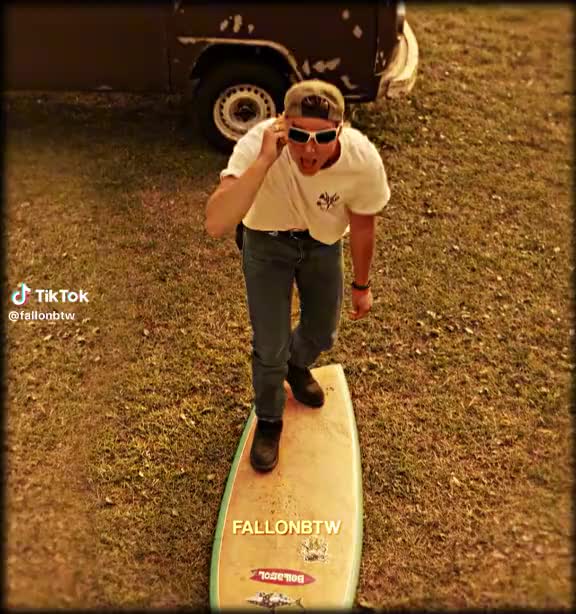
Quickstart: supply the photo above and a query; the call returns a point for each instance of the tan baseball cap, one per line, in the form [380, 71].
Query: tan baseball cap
[329, 103]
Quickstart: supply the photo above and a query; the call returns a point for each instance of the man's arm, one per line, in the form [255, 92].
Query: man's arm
[234, 196]
[362, 240]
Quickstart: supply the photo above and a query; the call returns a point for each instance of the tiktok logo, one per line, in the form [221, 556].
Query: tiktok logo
[20, 297]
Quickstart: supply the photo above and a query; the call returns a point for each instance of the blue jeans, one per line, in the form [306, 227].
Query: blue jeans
[271, 264]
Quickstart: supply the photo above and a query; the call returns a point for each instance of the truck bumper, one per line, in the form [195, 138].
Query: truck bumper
[399, 76]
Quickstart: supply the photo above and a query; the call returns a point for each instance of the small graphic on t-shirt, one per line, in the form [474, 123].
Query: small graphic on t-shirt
[326, 201]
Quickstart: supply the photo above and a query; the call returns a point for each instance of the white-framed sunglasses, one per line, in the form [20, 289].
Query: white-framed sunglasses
[321, 137]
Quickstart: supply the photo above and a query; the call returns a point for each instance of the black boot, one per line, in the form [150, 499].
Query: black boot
[304, 387]
[264, 451]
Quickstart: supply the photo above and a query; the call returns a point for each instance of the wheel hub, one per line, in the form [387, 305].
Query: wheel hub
[241, 106]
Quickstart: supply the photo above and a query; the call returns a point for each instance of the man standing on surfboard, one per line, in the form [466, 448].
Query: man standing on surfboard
[298, 182]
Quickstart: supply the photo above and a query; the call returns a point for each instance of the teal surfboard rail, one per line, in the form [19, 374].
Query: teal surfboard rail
[214, 601]
[357, 555]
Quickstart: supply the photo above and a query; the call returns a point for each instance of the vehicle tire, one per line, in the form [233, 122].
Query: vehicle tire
[232, 97]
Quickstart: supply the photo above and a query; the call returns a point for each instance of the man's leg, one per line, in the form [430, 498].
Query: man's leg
[319, 278]
[268, 265]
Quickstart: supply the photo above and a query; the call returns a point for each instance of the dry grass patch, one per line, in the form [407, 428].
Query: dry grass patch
[122, 425]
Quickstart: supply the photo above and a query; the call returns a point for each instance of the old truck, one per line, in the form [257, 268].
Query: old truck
[236, 59]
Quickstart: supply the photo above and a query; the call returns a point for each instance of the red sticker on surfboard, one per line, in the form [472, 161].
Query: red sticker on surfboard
[289, 577]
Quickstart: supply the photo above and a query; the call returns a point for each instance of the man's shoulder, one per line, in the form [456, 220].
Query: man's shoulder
[254, 134]
[359, 148]
[258, 129]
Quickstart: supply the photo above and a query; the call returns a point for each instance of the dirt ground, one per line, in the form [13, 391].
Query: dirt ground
[122, 424]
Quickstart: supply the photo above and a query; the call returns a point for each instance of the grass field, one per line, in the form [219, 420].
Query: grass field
[122, 425]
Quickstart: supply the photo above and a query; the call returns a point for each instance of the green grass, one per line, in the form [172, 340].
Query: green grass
[123, 424]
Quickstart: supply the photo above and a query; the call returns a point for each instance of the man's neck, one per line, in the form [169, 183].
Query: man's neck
[333, 158]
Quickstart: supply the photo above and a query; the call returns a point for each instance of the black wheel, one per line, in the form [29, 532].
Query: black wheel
[232, 97]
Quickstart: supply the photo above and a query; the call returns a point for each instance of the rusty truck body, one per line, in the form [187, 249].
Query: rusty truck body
[237, 58]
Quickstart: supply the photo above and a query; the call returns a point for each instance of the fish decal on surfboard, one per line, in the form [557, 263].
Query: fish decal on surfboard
[273, 600]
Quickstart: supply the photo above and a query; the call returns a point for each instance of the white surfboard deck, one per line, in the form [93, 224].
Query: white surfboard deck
[292, 538]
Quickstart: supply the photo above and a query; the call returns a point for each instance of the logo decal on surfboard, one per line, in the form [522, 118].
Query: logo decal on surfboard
[273, 600]
[314, 549]
[289, 577]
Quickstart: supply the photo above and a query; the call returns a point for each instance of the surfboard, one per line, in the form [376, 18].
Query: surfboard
[292, 538]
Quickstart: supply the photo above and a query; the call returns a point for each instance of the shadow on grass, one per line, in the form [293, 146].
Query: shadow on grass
[119, 143]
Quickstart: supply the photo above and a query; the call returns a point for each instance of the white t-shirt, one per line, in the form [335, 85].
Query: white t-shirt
[287, 199]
